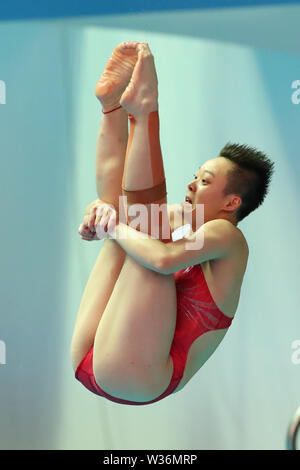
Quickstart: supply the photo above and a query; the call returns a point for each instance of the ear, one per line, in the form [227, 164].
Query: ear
[234, 201]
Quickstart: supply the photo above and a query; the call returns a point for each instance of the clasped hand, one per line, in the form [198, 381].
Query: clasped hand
[99, 221]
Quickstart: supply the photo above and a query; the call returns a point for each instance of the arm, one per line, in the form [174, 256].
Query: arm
[214, 239]
[147, 251]
[87, 228]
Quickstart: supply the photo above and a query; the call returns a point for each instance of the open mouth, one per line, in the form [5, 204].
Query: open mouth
[188, 200]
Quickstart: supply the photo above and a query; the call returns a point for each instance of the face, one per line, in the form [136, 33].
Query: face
[207, 188]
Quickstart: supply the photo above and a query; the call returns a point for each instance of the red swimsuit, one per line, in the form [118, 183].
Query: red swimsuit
[197, 313]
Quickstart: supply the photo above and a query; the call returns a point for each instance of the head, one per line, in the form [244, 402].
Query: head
[233, 184]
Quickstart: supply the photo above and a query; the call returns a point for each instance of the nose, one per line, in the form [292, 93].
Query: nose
[192, 187]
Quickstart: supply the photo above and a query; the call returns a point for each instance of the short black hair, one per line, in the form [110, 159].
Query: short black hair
[250, 178]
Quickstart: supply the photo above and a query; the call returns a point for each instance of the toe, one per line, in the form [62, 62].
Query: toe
[129, 45]
[144, 50]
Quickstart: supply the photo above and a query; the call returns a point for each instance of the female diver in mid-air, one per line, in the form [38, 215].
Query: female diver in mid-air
[153, 311]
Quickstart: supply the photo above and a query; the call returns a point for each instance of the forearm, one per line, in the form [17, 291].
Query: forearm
[147, 251]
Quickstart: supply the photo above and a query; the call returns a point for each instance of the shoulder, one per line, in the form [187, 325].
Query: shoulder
[226, 234]
[239, 249]
[221, 227]
[234, 244]
[224, 226]
[235, 260]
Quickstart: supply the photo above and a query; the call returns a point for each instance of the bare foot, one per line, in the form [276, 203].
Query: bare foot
[141, 95]
[116, 75]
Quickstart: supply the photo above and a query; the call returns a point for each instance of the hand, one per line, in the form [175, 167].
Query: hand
[105, 221]
[86, 234]
[86, 229]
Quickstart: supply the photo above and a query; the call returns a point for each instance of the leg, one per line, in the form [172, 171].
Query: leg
[144, 178]
[133, 341]
[110, 155]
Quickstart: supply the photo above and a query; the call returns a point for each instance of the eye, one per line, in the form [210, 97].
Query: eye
[201, 179]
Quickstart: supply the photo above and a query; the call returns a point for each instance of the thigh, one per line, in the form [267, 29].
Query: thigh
[95, 297]
[133, 341]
